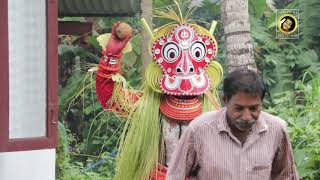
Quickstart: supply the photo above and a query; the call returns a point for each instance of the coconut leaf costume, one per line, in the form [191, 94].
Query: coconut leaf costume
[180, 84]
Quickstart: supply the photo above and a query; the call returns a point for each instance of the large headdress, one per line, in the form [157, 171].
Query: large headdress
[182, 66]
[183, 51]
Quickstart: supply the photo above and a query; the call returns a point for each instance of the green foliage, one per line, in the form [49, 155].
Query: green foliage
[87, 133]
[65, 169]
[301, 110]
[310, 23]
[258, 7]
[290, 69]
[92, 133]
[62, 150]
[132, 65]
[281, 62]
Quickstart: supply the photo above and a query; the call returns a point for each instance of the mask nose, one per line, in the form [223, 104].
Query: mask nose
[185, 66]
[190, 70]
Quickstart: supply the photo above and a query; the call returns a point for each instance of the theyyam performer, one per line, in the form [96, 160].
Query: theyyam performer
[179, 84]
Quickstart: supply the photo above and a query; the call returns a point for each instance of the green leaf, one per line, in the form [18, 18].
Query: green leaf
[88, 109]
[63, 48]
[93, 41]
[129, 59]
[303, 161]
[258, 6]
[272, 21]
[307, 57]
[136, 44]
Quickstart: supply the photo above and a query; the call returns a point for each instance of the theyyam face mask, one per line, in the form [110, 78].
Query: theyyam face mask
[183, 56]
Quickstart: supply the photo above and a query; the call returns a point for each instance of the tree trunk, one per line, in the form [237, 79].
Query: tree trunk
[235, 17]
[146, 6]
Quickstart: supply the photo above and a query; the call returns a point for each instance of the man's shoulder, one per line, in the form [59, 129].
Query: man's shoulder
[207, 119]
[274, 122]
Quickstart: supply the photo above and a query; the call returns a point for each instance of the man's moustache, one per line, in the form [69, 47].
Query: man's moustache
[246, 122]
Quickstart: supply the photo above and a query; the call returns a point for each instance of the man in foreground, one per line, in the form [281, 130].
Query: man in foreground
[238, 141]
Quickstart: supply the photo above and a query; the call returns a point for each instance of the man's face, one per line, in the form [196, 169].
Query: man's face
[243, 110]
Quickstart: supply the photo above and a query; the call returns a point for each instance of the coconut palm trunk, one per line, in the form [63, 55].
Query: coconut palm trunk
[239, 50]
[146, 7]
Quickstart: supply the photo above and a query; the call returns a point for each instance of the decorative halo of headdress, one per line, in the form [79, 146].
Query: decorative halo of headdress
[183, 50]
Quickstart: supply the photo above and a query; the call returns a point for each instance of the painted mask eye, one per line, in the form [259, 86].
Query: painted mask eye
[170, 52]
[198, 51]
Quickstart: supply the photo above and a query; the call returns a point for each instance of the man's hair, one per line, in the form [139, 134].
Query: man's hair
[246, 81]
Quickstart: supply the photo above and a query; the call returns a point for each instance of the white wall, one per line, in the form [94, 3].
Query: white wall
[28, 165]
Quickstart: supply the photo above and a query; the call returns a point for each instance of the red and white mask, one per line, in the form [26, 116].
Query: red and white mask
[183, 56]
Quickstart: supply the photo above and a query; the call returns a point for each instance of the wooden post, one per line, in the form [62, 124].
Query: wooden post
[146, 7]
